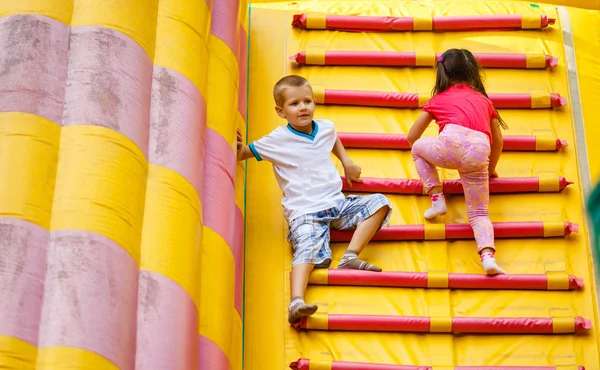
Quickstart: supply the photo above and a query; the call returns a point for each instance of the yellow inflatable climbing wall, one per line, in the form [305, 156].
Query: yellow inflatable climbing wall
[270, 343]
[121, 228]
[131, 239]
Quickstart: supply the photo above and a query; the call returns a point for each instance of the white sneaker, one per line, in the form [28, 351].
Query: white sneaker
[438, 206]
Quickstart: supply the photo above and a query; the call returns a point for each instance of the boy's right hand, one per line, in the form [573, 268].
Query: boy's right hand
[493, 173]
[240, 146]
[352, 173]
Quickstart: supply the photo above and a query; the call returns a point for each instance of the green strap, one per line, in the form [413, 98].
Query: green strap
[594, 212]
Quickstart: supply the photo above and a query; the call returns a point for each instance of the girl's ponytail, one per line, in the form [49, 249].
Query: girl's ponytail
[460, 66]
[442, 80]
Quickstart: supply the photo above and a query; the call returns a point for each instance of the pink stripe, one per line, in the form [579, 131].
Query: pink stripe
[33, 65]
[177, 126]
[210, 356]
[22, 270]
[220, 152]
[243, 66]
[238, 255]
[109, 83]
[224, 22]
[167, 325]
[219, 186]
[90, 298]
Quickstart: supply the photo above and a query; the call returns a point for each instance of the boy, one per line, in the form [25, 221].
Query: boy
[312, 189]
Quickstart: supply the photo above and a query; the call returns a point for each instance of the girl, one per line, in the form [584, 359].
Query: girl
[469, 141]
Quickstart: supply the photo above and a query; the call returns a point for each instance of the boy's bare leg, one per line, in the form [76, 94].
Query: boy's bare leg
[298, 283]
[363, 234]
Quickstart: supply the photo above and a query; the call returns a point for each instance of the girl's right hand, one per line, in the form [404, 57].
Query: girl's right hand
[493, 173]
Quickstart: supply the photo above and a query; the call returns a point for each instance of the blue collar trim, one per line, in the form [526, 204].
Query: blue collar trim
[311, 137]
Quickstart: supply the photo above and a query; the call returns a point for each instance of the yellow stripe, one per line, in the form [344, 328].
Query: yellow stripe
[424, 60]
[243, 15]
[319, 277]
[315, 57]
[182, 33]
[134, 18]
[316, 21]
[557, 281]
[437, 280]
[100, 185]
[222, 101]
[172, 231]
[540, 100]
[319, 94]
[422, 23]
[240, 178]
[423, 98]
[318, 321]
[548, 183]
[435, 231]
[28, 160]
[441, 368]
[556, 228]
[17, 354]
[530, 22]
[545, 143]
[320, 365]
[440, 324]
[535, 61]
[68, 358]
[563, 325]
[217, 271]
[235, 357]
[219, 51]
[60, 10]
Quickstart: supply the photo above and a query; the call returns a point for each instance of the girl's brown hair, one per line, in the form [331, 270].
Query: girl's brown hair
[460, 66]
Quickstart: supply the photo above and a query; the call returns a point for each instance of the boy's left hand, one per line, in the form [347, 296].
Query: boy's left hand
[352, 173]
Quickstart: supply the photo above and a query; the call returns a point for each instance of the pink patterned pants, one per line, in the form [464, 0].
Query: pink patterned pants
[468, 151]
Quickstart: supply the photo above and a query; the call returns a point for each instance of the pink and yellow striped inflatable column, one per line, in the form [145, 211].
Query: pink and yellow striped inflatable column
[89, 310]
[222, 247]
[34, 43]
[169, 302]
[121, 222]
[240, 188]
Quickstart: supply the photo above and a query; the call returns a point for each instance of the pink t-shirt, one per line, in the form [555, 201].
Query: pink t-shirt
[461, 105]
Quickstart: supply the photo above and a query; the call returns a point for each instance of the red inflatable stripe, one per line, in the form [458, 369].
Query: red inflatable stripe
[422, 324]
[439, 23]
[523, 100]
[400, 279]
[527, 229]
[304, 364]
[409, 59]
[485, 22]
[411, 100]
[409, 186]
[398, 141]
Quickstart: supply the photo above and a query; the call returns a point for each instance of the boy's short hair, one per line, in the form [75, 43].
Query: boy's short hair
[285, 82]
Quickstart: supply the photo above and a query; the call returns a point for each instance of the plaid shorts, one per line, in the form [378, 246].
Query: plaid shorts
[309, 233]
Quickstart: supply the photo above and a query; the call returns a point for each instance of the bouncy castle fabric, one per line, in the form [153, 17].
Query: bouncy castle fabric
[107, 138]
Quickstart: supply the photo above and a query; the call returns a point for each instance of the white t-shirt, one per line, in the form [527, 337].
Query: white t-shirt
[303, 167]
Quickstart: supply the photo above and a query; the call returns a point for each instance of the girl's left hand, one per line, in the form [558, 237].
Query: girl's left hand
[352, 172]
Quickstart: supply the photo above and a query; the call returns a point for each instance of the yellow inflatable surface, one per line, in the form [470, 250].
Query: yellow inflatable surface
[130, 238]
[270, 343]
